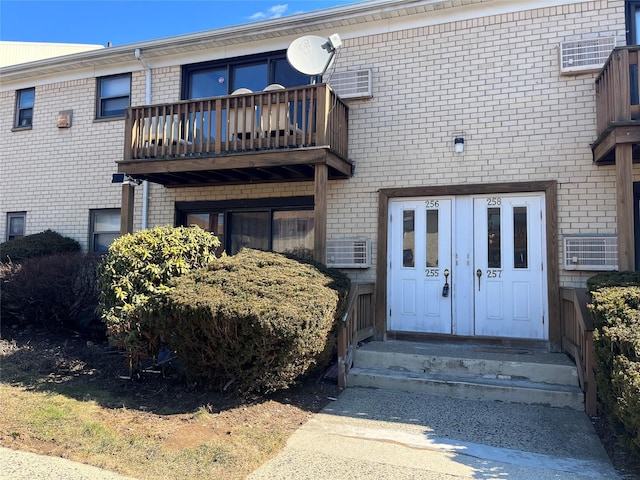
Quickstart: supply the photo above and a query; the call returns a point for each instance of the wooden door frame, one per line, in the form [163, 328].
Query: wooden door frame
[548, 188]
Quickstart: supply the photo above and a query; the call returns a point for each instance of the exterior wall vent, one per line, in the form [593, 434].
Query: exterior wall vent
[353, 84]
[349, 253]
[598, 253]
[585, 55]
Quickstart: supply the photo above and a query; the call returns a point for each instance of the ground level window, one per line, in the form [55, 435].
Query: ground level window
[15, 225]
[284, 225]
[104, 228]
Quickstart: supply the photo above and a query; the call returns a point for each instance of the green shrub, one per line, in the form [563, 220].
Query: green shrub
[138, 267]
[613, 279]
[257, 319]
[37, 245]
[616, 315]
[52, 291]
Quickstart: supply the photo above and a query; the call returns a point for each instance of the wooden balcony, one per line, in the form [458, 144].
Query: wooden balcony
[618, 105]
[271, 136]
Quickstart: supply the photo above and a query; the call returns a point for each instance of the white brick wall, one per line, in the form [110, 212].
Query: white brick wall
[494, 79]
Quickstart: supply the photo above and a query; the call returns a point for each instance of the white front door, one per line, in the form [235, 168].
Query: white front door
[421, 265]
[467, 266]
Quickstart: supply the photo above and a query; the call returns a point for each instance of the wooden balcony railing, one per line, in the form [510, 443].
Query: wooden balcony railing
[358, 325]
[577, 341]
[309, 116]
[617, 87]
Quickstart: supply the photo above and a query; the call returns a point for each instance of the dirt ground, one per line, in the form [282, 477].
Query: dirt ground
[68, 363]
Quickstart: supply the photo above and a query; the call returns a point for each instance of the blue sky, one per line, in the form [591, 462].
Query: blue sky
[126, 21]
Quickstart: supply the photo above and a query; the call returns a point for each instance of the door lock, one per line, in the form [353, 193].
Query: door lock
[445, 288]
[479, 274]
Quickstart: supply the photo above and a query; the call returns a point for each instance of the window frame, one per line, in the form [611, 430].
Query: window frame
[229, 207]
[20, 108]
[10, 217]
[92, 231]
[229, 65]
[632, 7]
[99, 99]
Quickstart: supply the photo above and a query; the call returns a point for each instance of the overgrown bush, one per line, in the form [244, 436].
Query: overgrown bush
[258, 320]
[36, 245]
[138, 267]
[616, 314]
[52, 291]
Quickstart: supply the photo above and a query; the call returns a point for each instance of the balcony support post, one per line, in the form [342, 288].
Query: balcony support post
[126, 211]
[320, 213]
[624, 207]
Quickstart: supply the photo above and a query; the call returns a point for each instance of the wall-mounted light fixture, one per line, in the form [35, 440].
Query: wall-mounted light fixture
[124, 179]
[458, 144]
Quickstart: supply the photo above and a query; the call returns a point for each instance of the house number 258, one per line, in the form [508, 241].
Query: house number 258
[494, 201]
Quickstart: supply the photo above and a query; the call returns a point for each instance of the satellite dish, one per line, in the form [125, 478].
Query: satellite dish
[311, 54]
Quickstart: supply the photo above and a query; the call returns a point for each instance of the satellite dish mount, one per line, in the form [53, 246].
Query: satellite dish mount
[312, 55]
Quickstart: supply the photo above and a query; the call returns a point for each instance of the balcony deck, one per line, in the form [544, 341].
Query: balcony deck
[618, 105]
[271, 136]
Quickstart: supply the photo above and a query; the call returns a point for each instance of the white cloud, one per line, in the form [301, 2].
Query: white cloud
[273, 12]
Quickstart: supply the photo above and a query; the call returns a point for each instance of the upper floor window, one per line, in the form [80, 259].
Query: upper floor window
[633, 22]
[254, 72]
[103, 229]
[24, 107]
[114, 96]
[15, 224]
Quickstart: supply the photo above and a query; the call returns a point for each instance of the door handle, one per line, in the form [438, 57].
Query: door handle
[479, 274]
[445, 288]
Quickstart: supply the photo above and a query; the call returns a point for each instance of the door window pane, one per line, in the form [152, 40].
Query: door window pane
[520, 248]
[432, 238]
[211, 222]
[293, 233]
[249, 229]
[494, 252]
[408, 238]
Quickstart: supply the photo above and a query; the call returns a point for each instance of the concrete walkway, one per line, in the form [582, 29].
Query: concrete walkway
[381, 434]
[385, 434]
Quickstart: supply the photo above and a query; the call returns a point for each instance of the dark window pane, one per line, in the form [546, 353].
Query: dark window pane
[209, 83]
[249, 229]
[101, 241]
[286, 75]
[432, 238]
[408, 238]
[25, 117]
[27, 97]
[254, 77]
[520, 250]
[494, 252]
[114, 106]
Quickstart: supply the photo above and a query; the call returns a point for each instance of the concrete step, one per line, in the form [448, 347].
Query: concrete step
[514, 375]
[489, 389]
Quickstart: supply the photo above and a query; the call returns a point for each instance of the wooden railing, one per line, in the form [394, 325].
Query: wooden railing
[617, 89]
[307, 116]
[577, 341]
[358, 325]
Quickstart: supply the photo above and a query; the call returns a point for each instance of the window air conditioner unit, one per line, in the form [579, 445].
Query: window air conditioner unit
[585, 55]
[598, 253]
[353, 84]
[349, 253]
